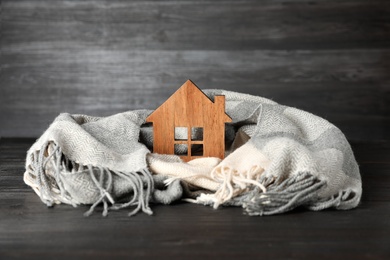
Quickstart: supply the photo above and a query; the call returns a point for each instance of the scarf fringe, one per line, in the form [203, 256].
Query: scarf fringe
[49, 185]
[282, 196]
[232, 184]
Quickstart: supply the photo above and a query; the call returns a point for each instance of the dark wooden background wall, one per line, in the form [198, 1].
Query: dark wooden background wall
[329, 57]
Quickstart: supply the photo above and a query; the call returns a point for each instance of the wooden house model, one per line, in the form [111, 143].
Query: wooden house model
[190, 124]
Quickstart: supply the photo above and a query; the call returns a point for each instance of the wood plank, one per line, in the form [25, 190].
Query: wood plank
[30, 229]
[32, 25]
[104, 57]
[340, 85]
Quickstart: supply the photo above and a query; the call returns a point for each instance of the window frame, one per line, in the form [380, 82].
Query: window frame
[189, 142]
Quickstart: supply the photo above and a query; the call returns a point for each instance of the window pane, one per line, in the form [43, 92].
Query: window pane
[197, 133]
[181, 149]
[196, 149]
[181, 133]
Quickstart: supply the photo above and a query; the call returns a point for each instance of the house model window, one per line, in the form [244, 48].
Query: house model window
[190, 124]
[189, 137]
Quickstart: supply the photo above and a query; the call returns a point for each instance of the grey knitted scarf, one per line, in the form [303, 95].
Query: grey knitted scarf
[277, 158]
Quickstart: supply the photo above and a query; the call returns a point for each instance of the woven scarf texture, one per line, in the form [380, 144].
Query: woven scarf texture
[277, 158]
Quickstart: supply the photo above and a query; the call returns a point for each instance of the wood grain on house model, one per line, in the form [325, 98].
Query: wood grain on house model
[191, 122]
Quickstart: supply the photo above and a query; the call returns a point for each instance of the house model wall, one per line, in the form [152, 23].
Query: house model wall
[190, 122]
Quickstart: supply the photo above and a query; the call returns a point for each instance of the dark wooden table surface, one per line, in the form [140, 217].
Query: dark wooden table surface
[28, 229]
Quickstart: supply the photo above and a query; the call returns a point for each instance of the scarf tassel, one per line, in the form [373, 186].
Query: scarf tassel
[281, 196]
[46, 177]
